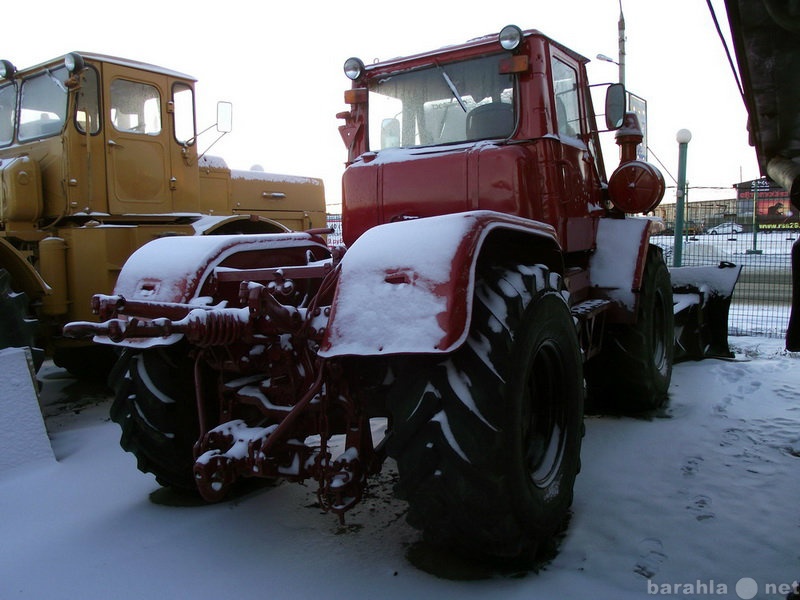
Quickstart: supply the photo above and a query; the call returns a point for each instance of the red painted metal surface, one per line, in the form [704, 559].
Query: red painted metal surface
[534, 174]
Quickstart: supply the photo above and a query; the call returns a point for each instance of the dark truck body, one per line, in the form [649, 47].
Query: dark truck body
[766, 39]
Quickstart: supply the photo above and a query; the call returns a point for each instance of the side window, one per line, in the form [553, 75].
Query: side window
[565, 90]
[87, 113]
[135, 107]
[183, 112]
[8, 111]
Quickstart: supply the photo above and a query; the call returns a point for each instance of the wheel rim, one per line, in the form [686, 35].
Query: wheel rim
[544, 435]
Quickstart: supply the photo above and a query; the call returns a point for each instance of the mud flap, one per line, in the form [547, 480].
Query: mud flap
[793, 329]
[702, 300]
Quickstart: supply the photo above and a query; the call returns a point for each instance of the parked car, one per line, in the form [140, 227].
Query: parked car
[689, 228]
[725, 228]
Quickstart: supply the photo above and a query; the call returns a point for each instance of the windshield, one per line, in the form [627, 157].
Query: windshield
[457, 102]
[44, 104]
[8, 109]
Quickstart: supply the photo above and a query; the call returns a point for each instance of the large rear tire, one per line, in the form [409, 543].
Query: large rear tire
[487, 440]
[632, 373]
[155, 405]
[18, 328]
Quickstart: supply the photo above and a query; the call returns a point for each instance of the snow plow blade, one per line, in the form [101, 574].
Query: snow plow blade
[702, 300]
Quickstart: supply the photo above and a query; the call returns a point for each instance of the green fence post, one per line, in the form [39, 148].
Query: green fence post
[683, 138]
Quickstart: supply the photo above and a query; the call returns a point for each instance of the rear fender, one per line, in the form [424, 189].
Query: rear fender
[702, 297]
[236, 224]
[177, 269]
[407, 287]
[23, 274]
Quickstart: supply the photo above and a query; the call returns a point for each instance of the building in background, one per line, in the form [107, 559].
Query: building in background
[759, 201]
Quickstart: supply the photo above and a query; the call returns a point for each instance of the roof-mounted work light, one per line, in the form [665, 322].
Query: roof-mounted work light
[74, 62]
[7, 70]
[353, 68]
[510, 37]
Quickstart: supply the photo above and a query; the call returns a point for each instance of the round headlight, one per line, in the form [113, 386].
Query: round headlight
[7, 70]
[510, 37]
[353, 68]
[74, 62]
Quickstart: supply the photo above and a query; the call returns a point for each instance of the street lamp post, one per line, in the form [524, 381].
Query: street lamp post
[683, 138]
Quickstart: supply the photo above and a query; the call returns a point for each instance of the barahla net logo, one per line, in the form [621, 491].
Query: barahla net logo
[746, 588]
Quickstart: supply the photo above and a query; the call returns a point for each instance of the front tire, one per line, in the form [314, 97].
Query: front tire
[632, 373]
[487, 439]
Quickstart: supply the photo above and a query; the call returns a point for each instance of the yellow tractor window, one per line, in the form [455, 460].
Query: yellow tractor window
[87, 114]
[8, 109]
[43, 104]
[183, 104]
[135, 107]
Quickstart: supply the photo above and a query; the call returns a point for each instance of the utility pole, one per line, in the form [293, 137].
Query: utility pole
[621, 28]
[621, 48]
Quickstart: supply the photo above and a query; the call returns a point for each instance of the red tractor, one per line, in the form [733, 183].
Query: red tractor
[492, 280]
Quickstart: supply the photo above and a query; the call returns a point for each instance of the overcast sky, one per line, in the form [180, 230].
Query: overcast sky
[281, 66]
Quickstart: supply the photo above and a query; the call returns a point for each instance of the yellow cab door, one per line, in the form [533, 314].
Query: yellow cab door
[137, 140]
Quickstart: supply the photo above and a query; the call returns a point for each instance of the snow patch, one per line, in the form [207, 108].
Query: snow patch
[24, 441]
[461, 384]
[444, 424]
[614, 262]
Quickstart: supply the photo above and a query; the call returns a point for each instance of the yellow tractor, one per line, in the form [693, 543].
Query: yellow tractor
[98, 155]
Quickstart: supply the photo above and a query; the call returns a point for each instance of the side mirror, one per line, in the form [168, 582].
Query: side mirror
[390, 133]
[615, 105]
[224, 117]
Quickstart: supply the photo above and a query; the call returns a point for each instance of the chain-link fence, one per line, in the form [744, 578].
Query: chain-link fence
[763, 294]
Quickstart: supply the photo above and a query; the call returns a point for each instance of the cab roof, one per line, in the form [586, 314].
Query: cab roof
[94, 57]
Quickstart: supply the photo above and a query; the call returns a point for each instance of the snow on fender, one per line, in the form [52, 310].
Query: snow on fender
[406, 287]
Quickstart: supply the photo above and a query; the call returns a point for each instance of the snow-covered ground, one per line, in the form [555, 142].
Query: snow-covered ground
[699, 501]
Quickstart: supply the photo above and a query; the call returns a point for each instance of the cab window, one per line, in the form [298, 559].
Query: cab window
[8, 112]
[442, 104]
[43, 104]
[87, 113]
[183, 112]
[135, 107]
[565, 90]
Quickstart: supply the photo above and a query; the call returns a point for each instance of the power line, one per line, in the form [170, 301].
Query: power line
[727, 50]
[658, 160]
